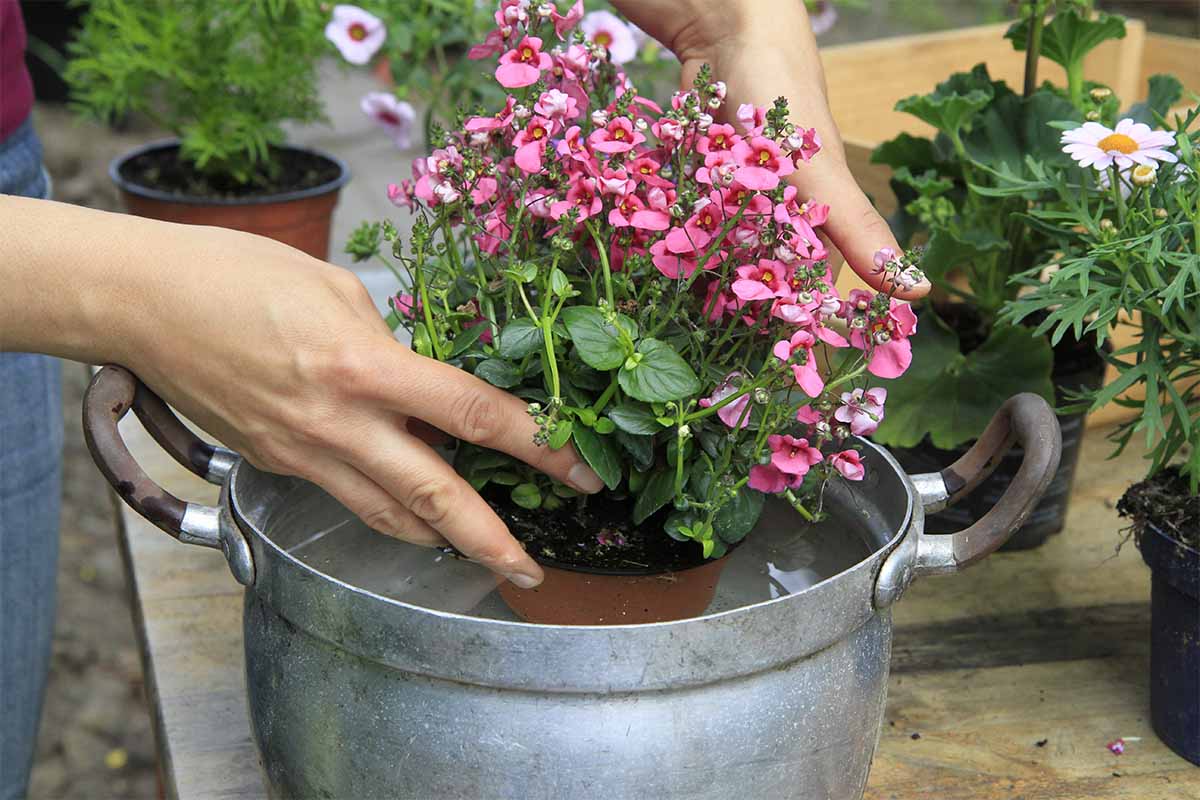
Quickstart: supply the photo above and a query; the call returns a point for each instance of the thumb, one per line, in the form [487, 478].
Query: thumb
[857, 230]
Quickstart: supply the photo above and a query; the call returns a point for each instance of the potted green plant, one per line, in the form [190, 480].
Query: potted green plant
[648, 282]
[222, 78]
[1126, 223]
[976, 240]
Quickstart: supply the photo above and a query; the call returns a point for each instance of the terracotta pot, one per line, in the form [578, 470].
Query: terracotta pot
[572, 596]
[299, 218]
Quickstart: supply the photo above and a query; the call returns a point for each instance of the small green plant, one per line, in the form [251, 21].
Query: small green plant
[221, 76]
[977, 239]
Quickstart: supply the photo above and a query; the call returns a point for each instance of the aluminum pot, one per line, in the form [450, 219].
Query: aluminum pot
[355, 695]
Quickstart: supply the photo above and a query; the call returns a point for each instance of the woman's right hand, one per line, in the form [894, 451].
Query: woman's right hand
[283, 357]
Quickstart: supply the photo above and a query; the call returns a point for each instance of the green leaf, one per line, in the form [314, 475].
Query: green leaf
[905, 150]
[634, 419]
[948, 250]
[601, 454]
[661, 375]
[659, 491]
[640, 447]
[421, 342]
[597, 342]
[519, 338]
[498, 373]
[1069, 37]
[926, 184]
[950, 397]
[559, 283]
[739, 516]
[1165, 91]
[526, 495]
[463, 341]
[561, 434]
[604, 426]
[950, 107]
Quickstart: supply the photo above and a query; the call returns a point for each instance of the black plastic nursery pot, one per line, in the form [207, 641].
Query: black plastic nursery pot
[1174, 640]
[299, 214]
[1076, 366]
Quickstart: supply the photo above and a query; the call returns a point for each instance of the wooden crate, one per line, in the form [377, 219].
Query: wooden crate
[866, 79]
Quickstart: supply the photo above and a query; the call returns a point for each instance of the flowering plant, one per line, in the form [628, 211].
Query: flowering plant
[977, 240]
[650, 283]
[420, 45]
[1127, 240]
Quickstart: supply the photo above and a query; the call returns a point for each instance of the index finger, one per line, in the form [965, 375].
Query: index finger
[474, 411]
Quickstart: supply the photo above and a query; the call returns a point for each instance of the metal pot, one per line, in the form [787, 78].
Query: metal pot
[354, 694]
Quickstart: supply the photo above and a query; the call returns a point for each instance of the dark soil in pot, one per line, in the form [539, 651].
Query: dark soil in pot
[293, 204]
[1077, 366]
[1166, 524]
[601, 569]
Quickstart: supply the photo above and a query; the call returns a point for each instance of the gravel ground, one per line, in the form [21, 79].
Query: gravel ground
[96, 741]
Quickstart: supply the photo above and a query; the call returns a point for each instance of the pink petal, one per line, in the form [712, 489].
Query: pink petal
[756, 178]
[891, 359]
[514, 76]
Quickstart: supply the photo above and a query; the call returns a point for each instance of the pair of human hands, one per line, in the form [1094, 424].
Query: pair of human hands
[286, 359]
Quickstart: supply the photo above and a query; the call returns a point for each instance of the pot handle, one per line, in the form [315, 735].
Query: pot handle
[1025, 419]
[112, 393]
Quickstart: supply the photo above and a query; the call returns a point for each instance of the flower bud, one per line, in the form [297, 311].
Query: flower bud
[599, 117]
[762, 396]
[1092, 116]
[1101, 93]
[804, 298]
[1143, 175]
[641, 124]
[718, 89]
[822, 428]
[882, 337]
[1106, 224]
[704, 122]
[1160, 213]
[545, 10]
[684, 432]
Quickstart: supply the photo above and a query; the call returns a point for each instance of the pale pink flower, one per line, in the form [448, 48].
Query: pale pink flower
[523, 65]
[849, 464]
[763, 281]
[564, 23]
[356, 33]
[734, 414]
[400, 194]
[862, 410]
[822, 17]
[405, 305]
[556, 105]
[619, 136]
[607, 30]
[1094, 145]
[808, 377]
[396, 117]
[767, 479]
[761, 163]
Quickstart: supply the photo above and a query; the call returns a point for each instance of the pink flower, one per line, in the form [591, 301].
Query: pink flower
[752, 118]
[400, 194]
[556, 105]
[669, 131]
[886, 338]
[405, 305]
[673, 265]
[622, 214]
[485, 191]
[531, 144]
[734, 414]
[523, 65]
[807, 375]
[357, 34]
[822, 17]
[762, 282]
[562, 23]
[645, 170]
[492, 44]
[849, 464]
[719, 138]
[396, 117]
[582, 197]
[804, 144]
[807, 415]
[619, 136]
[792, 456]
[862, 410]
[607, 30]
[767, 479]
[761, 163]
[717, 302]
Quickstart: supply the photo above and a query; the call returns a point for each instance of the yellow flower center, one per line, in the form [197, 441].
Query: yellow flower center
[527, 54]
[1119, 142]
[603, 38]
[763, 157]
[619, 134]
[539, 133]
[767, 277]
[719, 140]
[357, 31]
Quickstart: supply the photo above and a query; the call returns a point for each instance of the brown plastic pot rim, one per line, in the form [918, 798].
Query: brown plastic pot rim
[126, 185]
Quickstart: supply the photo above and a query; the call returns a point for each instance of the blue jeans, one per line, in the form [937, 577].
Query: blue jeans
[31, 441]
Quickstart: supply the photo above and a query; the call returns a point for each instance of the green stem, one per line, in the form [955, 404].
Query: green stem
[603, 251]
[1075, 83]
[603, 399]
[1033, 48]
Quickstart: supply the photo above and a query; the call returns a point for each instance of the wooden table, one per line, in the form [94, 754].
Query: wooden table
[1007, 681]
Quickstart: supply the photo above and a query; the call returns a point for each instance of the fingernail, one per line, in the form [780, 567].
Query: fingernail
[523, 581]
[583, 479]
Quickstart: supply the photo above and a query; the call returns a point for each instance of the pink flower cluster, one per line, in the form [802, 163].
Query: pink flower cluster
[702, 202]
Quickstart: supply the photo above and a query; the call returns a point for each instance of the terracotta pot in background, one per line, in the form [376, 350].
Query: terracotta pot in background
[300, 218]
[570, 596]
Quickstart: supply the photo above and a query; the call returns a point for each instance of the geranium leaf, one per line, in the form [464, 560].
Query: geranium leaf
[659, 376]
[597, 342]
[1068, 37]
[950, 107]
[1165, 91]
[601, 454]
[950, 397]
[519, 338]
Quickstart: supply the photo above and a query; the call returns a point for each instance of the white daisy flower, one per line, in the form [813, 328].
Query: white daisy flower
[1095, 145]
[396, 117]
[358, 34]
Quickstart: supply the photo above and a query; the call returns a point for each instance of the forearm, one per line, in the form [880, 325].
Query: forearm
[68, 276]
